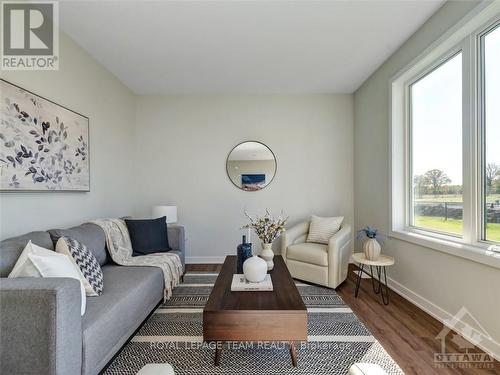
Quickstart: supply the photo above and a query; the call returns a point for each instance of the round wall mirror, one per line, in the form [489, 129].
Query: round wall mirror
[251, 166]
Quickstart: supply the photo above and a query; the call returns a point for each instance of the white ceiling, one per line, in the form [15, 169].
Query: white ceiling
[166, 47]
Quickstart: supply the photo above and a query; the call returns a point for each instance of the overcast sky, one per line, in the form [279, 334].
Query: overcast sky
[437, 115]
[492, 61]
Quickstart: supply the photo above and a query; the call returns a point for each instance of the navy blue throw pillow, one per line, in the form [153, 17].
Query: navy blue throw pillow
[148, 236]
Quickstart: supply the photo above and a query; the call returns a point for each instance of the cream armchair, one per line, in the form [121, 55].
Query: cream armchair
[317, 263]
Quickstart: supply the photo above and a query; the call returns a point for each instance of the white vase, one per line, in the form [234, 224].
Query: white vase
[371, 248]
[268, 255]
[255, 269]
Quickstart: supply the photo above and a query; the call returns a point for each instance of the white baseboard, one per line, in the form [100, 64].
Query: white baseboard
[207, 259]
[487, 344]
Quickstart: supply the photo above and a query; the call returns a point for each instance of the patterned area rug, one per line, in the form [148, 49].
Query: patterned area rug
[173, 334]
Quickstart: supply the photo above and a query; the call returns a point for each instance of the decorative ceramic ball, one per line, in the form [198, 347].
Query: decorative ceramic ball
[255, 269]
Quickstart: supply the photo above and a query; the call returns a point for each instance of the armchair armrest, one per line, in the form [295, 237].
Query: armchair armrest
[339, 253]
[291, 235]
[340, 238]
[177, 240]
[41, 326]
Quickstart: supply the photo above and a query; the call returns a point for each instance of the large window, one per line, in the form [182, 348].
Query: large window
[490, 82]
[436, 148]
[445, 142]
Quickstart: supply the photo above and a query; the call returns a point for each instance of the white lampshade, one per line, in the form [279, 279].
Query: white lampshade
[169, 211]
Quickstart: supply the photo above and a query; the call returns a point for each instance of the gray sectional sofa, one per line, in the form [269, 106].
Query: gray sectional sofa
[41, 328]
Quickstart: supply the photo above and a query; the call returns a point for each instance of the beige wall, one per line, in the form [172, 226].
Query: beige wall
[267, 167]
[183, 143]
[84, 86]
[438, 282]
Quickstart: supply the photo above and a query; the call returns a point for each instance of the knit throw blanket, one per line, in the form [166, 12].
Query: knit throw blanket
[120, 249]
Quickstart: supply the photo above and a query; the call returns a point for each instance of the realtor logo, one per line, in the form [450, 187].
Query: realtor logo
[30, 37]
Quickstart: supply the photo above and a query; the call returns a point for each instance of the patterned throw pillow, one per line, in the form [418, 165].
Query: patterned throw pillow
[82, 257]
[322, 228]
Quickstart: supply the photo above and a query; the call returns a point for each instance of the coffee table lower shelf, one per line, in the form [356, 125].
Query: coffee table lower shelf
[279, 316]
[255, 327]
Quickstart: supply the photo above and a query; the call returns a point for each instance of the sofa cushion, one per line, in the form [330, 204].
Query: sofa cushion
[24, 267]
[129, 296]
[312, 253]
[11, 249]
[148, 236]
[90, 235]
[322, 228]
[85, 262]
[51, 264]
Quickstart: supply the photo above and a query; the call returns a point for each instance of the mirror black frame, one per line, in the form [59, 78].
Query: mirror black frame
[275, 165]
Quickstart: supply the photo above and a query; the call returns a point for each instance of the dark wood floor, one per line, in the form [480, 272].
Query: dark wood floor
[407, 333]
[203, 267]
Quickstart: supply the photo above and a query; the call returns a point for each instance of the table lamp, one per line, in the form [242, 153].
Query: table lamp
[169, 211]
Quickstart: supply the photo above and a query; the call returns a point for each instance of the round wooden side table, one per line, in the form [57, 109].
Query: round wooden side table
[380, 264]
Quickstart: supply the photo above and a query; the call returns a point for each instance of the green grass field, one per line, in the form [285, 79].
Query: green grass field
[454, 226]
[490, 198]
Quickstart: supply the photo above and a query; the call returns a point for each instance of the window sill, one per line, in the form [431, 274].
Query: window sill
[475, 253]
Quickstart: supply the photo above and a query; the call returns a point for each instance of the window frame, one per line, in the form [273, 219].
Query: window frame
[464, 37]
[450, 54]
[481, 121]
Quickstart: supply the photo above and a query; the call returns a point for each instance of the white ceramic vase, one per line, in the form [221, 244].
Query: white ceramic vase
[268, 255]
[371, 248]
[255, 269]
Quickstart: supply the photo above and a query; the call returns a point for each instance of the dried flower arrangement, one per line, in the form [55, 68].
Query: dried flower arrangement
[267, 227]
[369, 232]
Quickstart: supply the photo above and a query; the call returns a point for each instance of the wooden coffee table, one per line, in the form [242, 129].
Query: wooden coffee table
[255, 317]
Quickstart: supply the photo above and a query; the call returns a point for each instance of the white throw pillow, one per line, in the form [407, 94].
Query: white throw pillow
[85, 262]
[57, 265]
[24, 267]
[322, 228]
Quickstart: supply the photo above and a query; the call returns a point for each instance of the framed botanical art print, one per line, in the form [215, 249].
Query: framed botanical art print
[43, 146]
